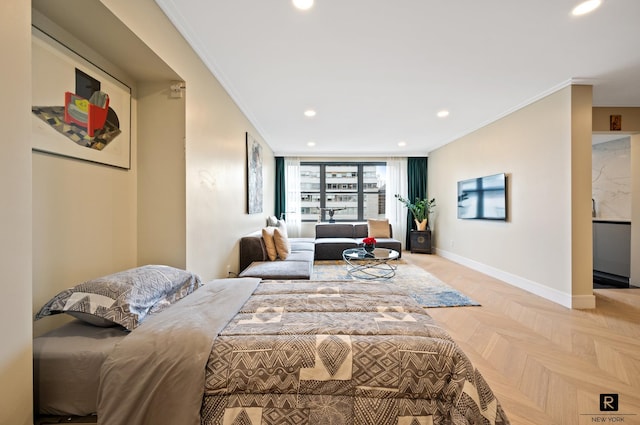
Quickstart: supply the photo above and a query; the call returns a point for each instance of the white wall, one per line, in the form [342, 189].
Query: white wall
[15, 215]
[533, 248]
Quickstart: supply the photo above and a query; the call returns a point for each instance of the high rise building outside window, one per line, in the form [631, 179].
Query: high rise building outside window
[353, 191]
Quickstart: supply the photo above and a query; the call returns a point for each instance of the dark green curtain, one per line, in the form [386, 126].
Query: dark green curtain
[417, 187]
[281, 188]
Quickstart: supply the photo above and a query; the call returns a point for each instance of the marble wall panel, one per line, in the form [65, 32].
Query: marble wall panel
[611, 179]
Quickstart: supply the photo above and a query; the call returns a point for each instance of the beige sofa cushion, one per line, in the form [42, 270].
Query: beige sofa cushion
[378, 228]
[269, 242]
[281, 239]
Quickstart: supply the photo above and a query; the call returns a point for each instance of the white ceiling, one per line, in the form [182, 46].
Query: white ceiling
[378, 71]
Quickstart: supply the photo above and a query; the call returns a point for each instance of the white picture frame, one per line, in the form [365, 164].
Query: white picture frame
[57, 70]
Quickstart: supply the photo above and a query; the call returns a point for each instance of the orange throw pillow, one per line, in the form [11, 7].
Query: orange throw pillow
[282, 242]
[269, 243]
[378, 228]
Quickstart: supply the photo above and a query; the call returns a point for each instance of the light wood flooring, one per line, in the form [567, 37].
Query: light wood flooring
[547, 364]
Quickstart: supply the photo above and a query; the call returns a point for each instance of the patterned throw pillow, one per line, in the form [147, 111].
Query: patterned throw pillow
[123, 298]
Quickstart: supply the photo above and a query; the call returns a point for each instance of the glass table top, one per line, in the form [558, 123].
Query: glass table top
[382, 254]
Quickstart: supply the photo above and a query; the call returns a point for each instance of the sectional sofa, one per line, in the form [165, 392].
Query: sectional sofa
[331, 239]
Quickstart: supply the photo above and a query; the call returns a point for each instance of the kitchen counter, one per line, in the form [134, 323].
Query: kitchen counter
[611, 220]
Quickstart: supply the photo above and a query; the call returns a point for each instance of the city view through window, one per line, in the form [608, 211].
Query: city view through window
[352, 191]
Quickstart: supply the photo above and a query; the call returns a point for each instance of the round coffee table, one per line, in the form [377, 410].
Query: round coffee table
[375, 265]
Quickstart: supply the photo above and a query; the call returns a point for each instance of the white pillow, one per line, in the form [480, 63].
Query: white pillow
[272, 221]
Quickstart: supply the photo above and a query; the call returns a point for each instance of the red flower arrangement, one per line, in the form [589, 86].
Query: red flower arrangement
[369, 241]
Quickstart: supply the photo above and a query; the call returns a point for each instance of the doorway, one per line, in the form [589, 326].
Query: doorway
[613, 209]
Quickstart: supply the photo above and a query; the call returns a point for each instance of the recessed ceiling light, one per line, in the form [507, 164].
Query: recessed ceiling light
[586, 7]
[311, 144]
[443, 113]
[303, 4]
[309, 113]
[402, 143]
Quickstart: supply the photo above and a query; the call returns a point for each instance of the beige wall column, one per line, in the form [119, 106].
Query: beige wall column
[15, 215]
[161, 176]
[634, 279]
[581, 225]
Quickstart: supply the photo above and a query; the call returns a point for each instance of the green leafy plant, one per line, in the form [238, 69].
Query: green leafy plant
[420, 208]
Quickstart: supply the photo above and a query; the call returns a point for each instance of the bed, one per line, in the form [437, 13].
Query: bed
[66, 367]
[245, 351]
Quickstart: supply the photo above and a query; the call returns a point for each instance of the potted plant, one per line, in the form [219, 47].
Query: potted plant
[420, 209]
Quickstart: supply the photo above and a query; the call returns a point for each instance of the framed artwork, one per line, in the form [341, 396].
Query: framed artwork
[254, 175]
[78, 110]
[615, 122]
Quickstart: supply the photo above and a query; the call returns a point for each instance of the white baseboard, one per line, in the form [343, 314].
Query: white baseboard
[558, 297]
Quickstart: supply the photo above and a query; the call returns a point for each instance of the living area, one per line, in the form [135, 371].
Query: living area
[182, 203]
[293, 258]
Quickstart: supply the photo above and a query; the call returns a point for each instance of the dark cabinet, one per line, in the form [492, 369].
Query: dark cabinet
[612, 252]
[420, 241]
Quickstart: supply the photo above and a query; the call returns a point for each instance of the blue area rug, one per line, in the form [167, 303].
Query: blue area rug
[426, 289]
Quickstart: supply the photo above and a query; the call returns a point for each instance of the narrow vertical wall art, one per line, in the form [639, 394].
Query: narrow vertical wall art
[254, 175]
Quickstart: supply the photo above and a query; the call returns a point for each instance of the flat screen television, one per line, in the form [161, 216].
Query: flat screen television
[483, 198]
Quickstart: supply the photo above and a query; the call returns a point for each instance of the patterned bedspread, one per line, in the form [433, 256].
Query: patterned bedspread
[340, 353]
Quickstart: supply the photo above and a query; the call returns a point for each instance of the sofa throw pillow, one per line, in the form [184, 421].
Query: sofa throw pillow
[378, 228]
[282, 242]
[272, 221]
[269, 243]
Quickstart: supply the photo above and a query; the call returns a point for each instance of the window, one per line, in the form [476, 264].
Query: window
[354, 191]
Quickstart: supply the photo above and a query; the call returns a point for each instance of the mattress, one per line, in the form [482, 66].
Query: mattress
[66, 365]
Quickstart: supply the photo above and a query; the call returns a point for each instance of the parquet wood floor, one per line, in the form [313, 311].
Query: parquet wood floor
[547, 364]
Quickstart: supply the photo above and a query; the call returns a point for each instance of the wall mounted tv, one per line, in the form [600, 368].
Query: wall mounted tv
[483, 198]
